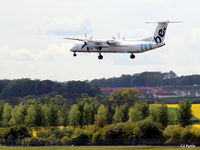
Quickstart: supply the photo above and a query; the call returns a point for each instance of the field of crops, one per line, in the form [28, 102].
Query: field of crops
[99, 148]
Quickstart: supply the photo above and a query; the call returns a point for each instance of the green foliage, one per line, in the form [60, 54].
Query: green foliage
[116, 116]
[1, 110]
[184, 113]
[55, 133]
[148, 129]
[64, 113]
[154, 112]
[81, 138]
[96, 138]
[74, 116]
[17, 132]
[101, 118]
[53, 116]
[144, 129]
[124, 96]
[30, 118]
[25, 87]
[139, 111]
[6, 115]
[114, 131]
[173, 133]
[86, 115]
[163, 115]
[44, 115]
[123, 112]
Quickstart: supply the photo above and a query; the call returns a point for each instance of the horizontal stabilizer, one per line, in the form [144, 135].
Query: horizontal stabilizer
[164, 21]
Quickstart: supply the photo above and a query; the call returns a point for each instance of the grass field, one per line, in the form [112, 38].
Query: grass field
[99, 148]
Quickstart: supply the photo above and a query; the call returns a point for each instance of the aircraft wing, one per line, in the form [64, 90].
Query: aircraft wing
[96, 43]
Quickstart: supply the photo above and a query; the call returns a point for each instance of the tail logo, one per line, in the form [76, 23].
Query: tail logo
[161, 33]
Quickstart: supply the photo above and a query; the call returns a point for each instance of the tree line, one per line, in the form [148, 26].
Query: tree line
[152, 79]
[10, 89]
[121, 118]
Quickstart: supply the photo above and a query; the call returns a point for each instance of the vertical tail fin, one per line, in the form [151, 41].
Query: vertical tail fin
[159, 34]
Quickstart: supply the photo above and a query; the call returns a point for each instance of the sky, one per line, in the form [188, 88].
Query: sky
[32, 32]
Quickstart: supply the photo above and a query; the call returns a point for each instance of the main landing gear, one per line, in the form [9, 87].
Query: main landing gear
[100, 56]
[132, 56]
[74, 55]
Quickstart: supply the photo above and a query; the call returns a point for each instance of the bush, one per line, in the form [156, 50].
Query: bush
[81, 138]
[114, 131]
[34, 142]
[97, 138]
[17, 132]
[55, 133]
[148, 129]
[173, 134]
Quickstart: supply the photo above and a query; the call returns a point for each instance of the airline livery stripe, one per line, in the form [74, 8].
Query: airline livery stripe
[141, 47]
[150, 46]
[146, 48]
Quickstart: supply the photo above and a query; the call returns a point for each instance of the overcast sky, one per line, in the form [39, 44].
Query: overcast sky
[32, 32]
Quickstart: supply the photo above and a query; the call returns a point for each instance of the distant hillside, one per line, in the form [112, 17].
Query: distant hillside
[73, 89]
[24, 87]
[152, 79]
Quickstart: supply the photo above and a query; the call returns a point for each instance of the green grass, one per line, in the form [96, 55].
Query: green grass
[172, 115]
[99, 148]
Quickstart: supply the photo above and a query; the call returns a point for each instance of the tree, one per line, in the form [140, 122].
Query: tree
[1, 110]
[74, 116]
[18, 115]
[64, 113]
[38, 115]
[53, 119]
[163, 115]
[184, 113]
[154, 112]
[44, 115]
[116, 116]
[30, 118]
[101, 117]
[123, 112]
[93, 107]
[86, 115]
[125, 96]
[139, 111]
[6, 115]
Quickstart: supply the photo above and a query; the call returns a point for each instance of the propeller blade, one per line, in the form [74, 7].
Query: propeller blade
[84, 45]
[85, 35]
[118, 36]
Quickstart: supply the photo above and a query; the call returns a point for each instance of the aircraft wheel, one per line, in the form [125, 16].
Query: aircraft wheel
[74, 55]
[100, 57]
[132, 56]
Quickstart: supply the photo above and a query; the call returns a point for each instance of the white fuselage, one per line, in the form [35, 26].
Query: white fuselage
[123, 46]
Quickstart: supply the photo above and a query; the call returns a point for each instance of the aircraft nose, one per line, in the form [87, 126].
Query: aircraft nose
[72, 49]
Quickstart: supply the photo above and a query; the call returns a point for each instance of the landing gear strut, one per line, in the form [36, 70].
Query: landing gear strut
[100, 56]
[132, 56]
[74, 55]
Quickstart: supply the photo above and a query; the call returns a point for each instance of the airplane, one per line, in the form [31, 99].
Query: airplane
[117, 45]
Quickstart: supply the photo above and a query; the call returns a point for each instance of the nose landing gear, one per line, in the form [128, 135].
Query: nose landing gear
[74, 55]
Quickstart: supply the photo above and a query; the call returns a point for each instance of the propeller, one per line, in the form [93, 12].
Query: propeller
[118, 37]
[85, 42]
